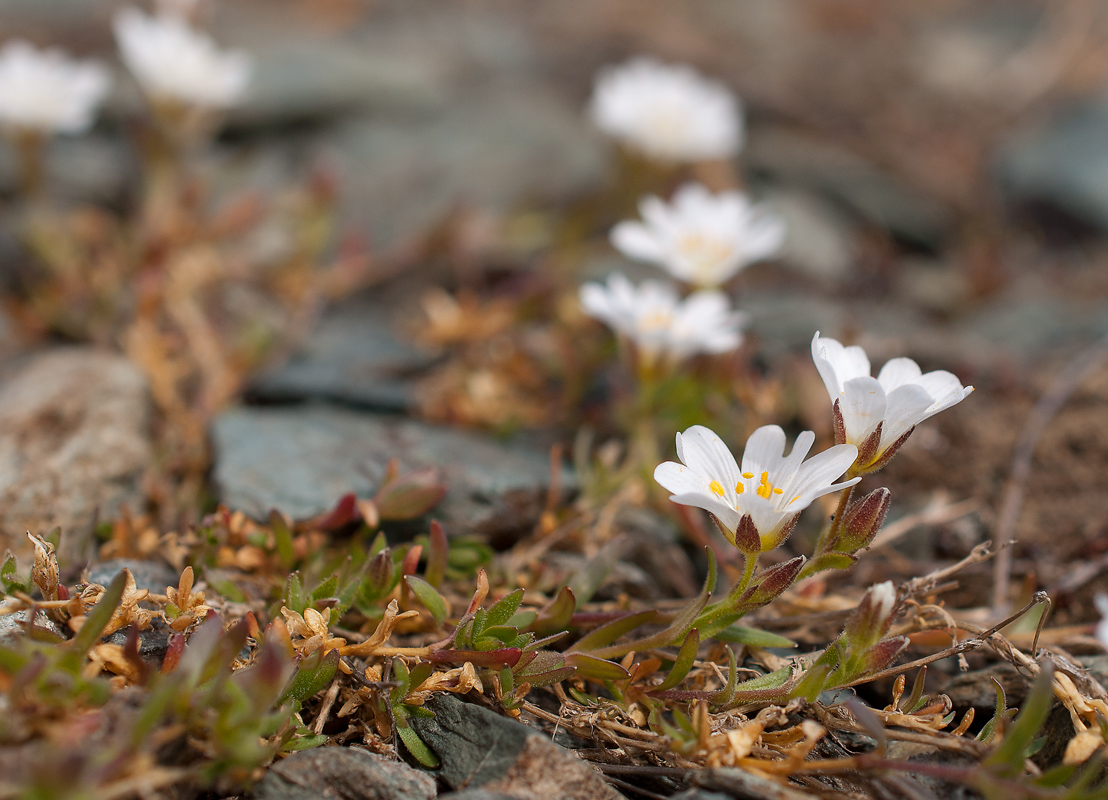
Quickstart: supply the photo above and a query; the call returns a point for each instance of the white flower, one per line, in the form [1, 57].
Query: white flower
[1101, 601]
[700, 238]
[667, 112]
[767, 493]
[45, 90]
[878, 414]
[173, 61]
[660, 324]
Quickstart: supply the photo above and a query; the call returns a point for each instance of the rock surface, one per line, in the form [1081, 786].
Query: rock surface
[356, 357]
[12, 626]
[73, 446]
[153, 576]
[343, 773]
[480, 749]
[302, 460]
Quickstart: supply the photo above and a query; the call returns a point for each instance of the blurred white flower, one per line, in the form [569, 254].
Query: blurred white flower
[700, 238]
[659, 323]
[878, 414]
[756, 505]
[45, 90]
[1101, 601]
[174, 61]
[667, 112]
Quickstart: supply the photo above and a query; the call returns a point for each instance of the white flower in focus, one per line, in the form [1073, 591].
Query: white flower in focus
[173, 61]
[700, 238]
[667, 112]
[757, 504]
[45, 90]
[878, 414]
[659, 323]
[1101, 601]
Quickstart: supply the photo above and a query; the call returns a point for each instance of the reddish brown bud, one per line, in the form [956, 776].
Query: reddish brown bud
[746, 536]
[868, 449]
[873, 617]
[882, 654]
[887, 456]
[838, 424]
[770, 584]
[862, 520]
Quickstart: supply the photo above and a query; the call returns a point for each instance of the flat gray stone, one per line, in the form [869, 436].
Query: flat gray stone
[343, 773]
[14, 626]
[356, 357]
[153, 576]
[301, 460]
[1062, 163]
[74, 444]
[480, 749]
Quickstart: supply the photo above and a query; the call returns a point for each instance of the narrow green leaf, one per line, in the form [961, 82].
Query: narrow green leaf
[609, 632]
[771, 681]
[282, 538]
[438, 554]
[326, 589]
[294, 594]
[1021, 733]
[314, 675]
[416, 746]
[97, 619]
[686, 657]
[557, 614]
[598, 668]
[752, 637]
[429, 596]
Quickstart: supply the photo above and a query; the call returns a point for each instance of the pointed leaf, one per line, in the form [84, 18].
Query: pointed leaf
[100, 615]
[429, 596]
[503, 609]
[596, 668]
[686, 657]
[608, 633]
[752, 637]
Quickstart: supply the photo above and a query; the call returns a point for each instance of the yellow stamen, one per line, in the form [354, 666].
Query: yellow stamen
[716, 487]
[765, 478]
[739, 487]
[764, 490]
[778, 491]
[748, 475]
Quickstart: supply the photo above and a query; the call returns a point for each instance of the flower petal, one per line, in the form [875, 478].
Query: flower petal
[898, 372]
[815, 476]
[905, 407]
[636, 241]
[764, 449]
[704, 452]
[863, 406]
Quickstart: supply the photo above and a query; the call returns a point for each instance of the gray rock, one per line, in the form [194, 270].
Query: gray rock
[74, 444]
[355, 356]
[153, 576]
[855, 183]
[89, 168]
[1062, 163]
[302, 460]
[343, 773]
[13, 626]
[701, 794]
[818, 237]
[480, 749]
[494, 149]
[1031, 326]
[153, 642]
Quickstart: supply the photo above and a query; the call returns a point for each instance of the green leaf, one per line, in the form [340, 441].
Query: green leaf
[326, 589]
[773, 680]
[686, 657]
[282, 538]
[316, 672]
[503, 609]
[98, 618]
[1019, 737]
[429, 596]
[416, 746]
[294, 594]
[557, 615]
[609, 632]
[752, 637]
[597, 668]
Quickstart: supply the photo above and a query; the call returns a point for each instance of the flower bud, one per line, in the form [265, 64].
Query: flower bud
[771, 583]
[381, 575]
[410, 496]
[882, 654]
[873, 617]
[862, 520]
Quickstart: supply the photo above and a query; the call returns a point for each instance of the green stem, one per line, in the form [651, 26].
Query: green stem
[727, 604]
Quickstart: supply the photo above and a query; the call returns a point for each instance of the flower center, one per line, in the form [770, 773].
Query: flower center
[656, 320]
[705, 252]
[764, 488]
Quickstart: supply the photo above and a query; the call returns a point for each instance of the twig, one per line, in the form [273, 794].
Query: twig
[981, 552]
[1041, 415]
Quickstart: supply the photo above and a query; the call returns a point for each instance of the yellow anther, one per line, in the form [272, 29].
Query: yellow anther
[778, 491]
[765, 477]
[716, 487]
[764, 490]
[739, 487]
[748, 475]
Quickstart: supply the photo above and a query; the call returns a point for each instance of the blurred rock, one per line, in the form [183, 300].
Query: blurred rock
[479, 748]
[88, 168]
[1062, 163]
[857, 184]
[343, 773]
[74, 444]
[355, 356]
[302, 460]
[817, 241]
[153, 576]
[153, 641]
[493, 149]
[12, 626]
[1031, 326]
[936, 286]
